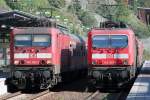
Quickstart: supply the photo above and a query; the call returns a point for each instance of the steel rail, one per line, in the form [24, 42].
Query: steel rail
[11, 95]
[39, 95]
[91, 96]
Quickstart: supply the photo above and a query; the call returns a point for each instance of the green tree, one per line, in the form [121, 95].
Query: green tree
[77, 7]
[122, 12]
[85, 17]
[128, 16]
[57, 3]
[143, 3]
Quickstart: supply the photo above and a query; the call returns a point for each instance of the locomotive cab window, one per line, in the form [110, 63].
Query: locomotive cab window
[43, 40]
[100, 41]
[23, 40]
[119, 41]
[109, 41]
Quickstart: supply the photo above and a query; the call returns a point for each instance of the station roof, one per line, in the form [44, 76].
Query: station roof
[22, 19]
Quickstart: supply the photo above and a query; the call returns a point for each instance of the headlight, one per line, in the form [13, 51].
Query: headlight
[48, 61]
[93, 62]
[46, 74]
[42, 62]
[125, 62]
[16, 62]
[17, 74]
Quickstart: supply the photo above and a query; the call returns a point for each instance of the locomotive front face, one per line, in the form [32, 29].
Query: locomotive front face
[108, 56]
[31, 58]
[109, 50]
[32, 49]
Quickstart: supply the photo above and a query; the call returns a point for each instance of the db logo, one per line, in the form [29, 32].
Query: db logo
[32, 55]
[110, 55]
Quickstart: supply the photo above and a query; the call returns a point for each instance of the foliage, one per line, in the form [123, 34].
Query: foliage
[106, 11]
[124, 14]
[85, 17]
[30, 6]
[3, 5]
[77, 7]
[146, 55]
[143, 3]
[121, 12]
[139, 28]
[57, 3]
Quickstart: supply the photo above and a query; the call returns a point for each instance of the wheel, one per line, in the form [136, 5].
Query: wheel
[90, 87]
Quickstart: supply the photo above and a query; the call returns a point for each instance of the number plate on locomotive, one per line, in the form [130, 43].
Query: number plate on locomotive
[110, 56]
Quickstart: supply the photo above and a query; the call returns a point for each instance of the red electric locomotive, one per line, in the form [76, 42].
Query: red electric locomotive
[41, 57]
[114, 55]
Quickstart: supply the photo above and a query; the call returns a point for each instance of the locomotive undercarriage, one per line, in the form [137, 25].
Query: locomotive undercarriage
[32, 78]
[110, 77]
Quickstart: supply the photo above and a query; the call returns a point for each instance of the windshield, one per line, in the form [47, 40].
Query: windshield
[23, 40]
[32, 40]
[110, 41]
[41, 40]
[101, 41]
[119, 41]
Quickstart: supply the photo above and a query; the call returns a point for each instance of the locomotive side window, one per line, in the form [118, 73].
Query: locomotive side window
[119, 41]
[101, 41]
[23, 40]
[41, 40]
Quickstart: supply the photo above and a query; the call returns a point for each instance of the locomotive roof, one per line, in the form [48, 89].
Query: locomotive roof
[112, 24]
[110, 27]
[40, 29]
[77, 38]
[23, 30]
[31, 29]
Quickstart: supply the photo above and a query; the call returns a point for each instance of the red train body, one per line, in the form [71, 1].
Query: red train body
[41, 57]
[114, 55]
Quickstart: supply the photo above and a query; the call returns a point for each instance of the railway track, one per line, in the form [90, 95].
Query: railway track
[35, 96]
[10, 95]
[97, 95]
[72, 91]
[90, 97]
[108, 95]
[23, 96]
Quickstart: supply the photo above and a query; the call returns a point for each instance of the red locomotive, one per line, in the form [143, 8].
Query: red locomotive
[41, 57]
[114, 54]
